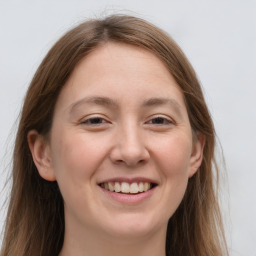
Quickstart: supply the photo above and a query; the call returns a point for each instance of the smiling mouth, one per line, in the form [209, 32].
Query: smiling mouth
[127, 188]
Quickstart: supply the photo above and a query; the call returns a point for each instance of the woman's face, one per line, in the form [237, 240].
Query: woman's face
[121, 146]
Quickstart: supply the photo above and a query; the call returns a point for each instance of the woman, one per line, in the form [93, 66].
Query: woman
[115, 150]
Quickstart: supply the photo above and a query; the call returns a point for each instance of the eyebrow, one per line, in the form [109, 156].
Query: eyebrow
[160, 101]
[102, 101]
[108, 102]
[163, 101]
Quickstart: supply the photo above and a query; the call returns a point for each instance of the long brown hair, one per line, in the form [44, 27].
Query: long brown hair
[35, 220]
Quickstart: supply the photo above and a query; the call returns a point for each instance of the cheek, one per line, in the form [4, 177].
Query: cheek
[174, 163]
[75, 157]
[174, 156]
[75, 161]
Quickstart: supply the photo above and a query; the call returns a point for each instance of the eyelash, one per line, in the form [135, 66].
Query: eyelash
[91, 121]
[99, 121]
[166, 121]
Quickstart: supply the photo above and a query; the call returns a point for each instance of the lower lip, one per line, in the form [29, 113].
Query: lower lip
[129, 198]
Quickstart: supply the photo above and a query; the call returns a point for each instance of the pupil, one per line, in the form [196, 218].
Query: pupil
[158, 120]
[95, 120]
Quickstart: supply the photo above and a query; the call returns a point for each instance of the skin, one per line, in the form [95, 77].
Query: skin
[129, 135]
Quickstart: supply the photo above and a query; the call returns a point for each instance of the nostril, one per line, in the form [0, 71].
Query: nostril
[119, 161]
[129, 155]
[130, 162]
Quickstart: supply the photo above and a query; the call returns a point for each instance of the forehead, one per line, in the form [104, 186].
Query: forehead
[123, 59]
[120, 71]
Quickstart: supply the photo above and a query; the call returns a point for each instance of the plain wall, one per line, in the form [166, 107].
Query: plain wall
[219, 38]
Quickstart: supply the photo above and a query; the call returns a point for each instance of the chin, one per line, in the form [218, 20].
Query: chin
[134, 226]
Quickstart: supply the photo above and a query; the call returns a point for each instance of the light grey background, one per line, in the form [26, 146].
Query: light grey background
[219, 38]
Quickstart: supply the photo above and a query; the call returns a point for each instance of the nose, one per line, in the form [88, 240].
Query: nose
[129, 147]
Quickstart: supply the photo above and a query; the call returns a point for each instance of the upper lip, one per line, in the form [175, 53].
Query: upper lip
[129, 180]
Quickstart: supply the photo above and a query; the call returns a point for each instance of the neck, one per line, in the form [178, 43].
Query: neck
[89, 242]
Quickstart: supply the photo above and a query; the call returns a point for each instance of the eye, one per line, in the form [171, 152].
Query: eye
[159, 120]
[94, 121]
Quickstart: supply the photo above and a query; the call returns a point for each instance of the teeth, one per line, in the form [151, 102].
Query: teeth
[111, 186]
[125, 187]
[146, 186]
[117, 187]
[141, 187]
[134, 188]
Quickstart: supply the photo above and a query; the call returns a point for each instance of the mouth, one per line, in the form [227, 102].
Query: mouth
[126, 187]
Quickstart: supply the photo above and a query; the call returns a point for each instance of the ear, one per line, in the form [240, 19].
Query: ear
[40, 151]
[197, 153]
